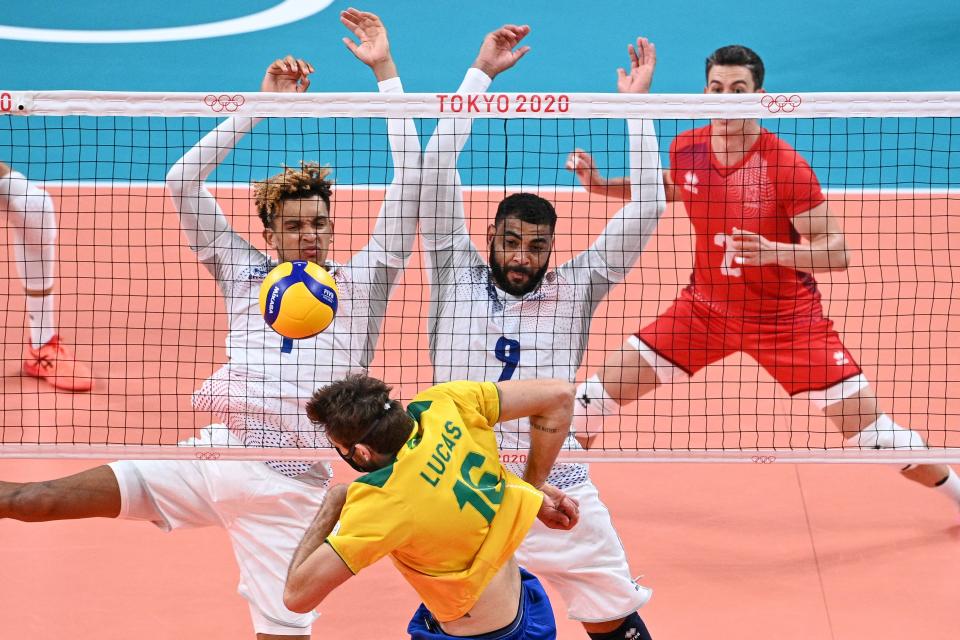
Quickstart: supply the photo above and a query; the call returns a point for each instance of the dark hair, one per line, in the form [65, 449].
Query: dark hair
[349, 407]
[309, 180]
[528, 208]
[737, 55]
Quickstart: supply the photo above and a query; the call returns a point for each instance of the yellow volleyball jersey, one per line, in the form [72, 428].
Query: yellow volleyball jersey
[448, 513]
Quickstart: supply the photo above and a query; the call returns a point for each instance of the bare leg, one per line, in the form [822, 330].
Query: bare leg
[623, 378]
[626, 376]
[89, 494]
[859, 411]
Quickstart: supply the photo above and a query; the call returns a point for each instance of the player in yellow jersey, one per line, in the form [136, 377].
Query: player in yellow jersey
[437, 499]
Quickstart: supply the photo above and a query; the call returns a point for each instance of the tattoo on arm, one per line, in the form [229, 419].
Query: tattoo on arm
[540, 427]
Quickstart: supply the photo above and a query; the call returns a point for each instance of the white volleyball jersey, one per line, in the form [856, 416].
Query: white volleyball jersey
[261, 392]
[479, 332]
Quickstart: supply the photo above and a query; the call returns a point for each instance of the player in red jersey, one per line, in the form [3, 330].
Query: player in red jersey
[762, 228]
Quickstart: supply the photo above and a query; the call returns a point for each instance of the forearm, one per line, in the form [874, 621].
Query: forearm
[614, 188]
[321, 527]
[200, 217]
[548, 432]
[396, 225]
[629, 231]
[441, 196]
[823, 254]
[549, 406]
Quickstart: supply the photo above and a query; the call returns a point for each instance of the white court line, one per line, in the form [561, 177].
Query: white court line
[286, 12]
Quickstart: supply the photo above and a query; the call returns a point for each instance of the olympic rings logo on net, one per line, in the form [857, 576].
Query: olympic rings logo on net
[763, 459]
[780, 103]
[207, 455]
[224, 102]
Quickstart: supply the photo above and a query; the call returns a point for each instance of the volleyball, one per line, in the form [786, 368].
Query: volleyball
[298, 299]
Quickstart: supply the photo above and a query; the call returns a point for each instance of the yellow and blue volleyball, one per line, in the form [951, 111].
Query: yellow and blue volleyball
[298, 299]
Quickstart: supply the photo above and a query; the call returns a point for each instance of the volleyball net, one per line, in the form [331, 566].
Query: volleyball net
[137, 306]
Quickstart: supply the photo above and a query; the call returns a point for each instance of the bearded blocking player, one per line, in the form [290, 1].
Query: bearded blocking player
[261, 392]
[518, 319]
[752, 201]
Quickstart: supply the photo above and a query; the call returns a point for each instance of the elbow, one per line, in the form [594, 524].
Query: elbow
[180, 183]
[295, 600]
[840, 257]
[176, 179]
[564, 394]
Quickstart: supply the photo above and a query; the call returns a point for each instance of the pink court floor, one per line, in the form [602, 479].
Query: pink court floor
[746, 551]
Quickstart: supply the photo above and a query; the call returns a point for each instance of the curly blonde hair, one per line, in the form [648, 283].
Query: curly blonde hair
[309, 180]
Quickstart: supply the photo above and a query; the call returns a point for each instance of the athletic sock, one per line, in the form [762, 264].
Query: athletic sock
[40, 313]
[592, 403]
[631, 629]
[950, 486]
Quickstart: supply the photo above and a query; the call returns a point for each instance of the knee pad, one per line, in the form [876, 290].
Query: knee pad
[884, 433]
[33, 222]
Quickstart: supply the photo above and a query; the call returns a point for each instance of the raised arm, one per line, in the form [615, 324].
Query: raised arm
[442, 217]
[201, 218]
[396, 226]
[622, 241]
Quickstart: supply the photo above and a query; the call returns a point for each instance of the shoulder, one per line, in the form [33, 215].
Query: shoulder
[260, 265]
[774, 146]
[689, 138]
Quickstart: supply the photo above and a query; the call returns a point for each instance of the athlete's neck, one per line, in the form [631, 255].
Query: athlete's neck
[731, 143]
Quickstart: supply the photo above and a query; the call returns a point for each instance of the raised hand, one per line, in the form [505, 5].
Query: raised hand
[581, 163]
[643, 61]
[287, 75]
[497, 52]
[374, 48]
[558, 511]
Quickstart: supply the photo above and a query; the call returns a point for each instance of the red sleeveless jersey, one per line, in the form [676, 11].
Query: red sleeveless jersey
[761, 194]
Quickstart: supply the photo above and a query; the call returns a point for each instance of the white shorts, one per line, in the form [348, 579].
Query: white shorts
[264, 512]
[587, 565]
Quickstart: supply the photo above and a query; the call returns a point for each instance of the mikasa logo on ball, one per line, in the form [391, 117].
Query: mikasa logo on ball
[328, 295]
[274, 296]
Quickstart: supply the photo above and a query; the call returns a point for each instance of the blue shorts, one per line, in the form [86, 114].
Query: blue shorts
[534, 619]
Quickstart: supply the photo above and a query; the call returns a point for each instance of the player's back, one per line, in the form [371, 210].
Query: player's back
[447, 511]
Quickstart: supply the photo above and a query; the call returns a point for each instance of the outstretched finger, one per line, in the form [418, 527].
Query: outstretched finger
[651, 52]
[634, 58]
[641, 51]
[353, 46]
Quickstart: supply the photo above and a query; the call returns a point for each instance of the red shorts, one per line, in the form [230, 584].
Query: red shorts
[802, 354]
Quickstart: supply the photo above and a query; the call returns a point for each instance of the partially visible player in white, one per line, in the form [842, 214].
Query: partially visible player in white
[32, 219]
[261, 393]
[515, 318]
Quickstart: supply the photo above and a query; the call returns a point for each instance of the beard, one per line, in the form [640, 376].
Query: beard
[534, 276]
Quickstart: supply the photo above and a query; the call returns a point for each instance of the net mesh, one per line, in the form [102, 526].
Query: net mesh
[149, 317]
